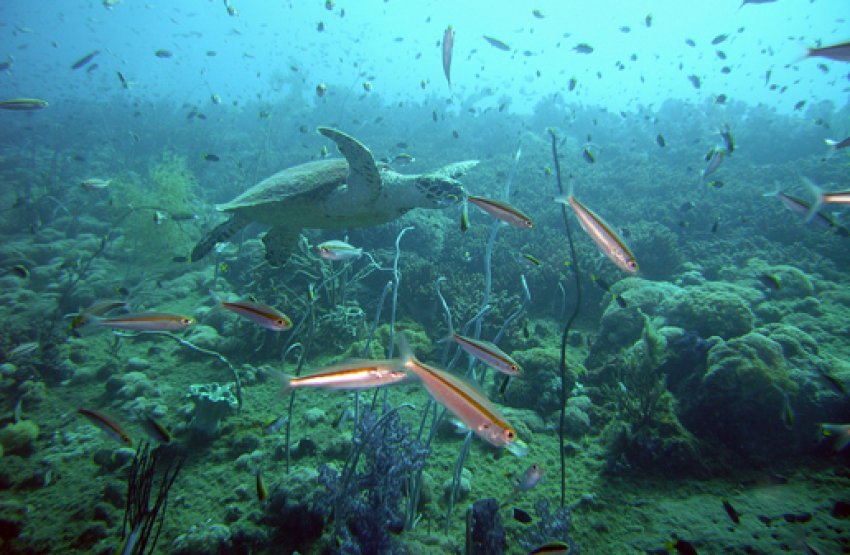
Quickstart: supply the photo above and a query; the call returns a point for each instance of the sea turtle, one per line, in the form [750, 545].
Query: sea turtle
[332, 194]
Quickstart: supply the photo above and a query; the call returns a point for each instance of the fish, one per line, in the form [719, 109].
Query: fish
[23, 349]
[648, 20]
[838, 52]
[124, 82]
[530, 478]
[488, 353]
[557, 547]
[770, 281]
[714, 158]
[210, 157]
[275, 425]
[263, 315]
[23, 104]
[745, 2]
[695, 81]
[730, 510]
[588, 155]
[799, 105]
[728, 139]
[787, 414]
[602, 234]
[583, 48]
[721, 99]
[840, 434]
[715, 225]
[18, 270]
[464, 401]
[367, 86]
[532, 259]
[537, 13]
[321, 89]
[262, 492]
[108, 425]
[683, 547]
[659, 139]
[497, 43]
[521, 516]
[715, 184]
[690, 42]
[85, 59]
[502, 211]
[804, 209]
[95, 184]
[154, 429]
[571, 85]
[354, 374]
[142, 321]
[603, 284]
[718, 39]
[162, 53]
[836, 384]
[837, 145]
[448, 44]
[403, 159]
[338, 250]
[464, 217]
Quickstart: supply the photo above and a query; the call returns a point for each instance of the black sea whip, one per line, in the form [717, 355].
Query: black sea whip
[563, 362]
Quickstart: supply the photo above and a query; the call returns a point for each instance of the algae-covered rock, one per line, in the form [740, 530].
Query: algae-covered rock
[741, 397]
[712, 309]
[212, 403]
[19, 437]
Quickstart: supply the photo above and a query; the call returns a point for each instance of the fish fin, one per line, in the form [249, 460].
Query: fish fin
[404, 348]
[562, 199]
[284, 381]
[518, 448]
[831, 148]
[775, 193]
[818, 203]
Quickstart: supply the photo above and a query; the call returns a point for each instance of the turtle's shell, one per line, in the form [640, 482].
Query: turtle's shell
[304, 182]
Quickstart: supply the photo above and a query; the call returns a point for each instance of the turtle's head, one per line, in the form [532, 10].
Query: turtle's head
[437, 191]
[441, 188]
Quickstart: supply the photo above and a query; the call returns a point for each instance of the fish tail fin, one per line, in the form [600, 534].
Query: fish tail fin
[806, 52]
[83, 320]
[563, 199]
[818, 203]
[831, 147]
[404, 349]
[775, 192]
[285, 384]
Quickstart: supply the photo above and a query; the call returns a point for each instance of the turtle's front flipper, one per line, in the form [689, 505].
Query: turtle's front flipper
[362, 171]
[280, 241]
[221, 232]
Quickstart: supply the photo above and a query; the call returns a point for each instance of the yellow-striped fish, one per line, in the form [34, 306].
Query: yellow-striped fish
[23, 104]
[462, 399]
[355, 374]
[262, 315]
[489, 354]
[108, 425]
[142, 321]
[502, 211]
[605, 238]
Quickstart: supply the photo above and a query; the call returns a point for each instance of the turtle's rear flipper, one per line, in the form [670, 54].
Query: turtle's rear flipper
[280, 242]
[220, 233]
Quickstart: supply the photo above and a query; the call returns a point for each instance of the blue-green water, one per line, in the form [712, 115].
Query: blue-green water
[704, 377]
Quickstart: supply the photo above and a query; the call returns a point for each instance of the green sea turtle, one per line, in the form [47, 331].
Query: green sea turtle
[332, 194]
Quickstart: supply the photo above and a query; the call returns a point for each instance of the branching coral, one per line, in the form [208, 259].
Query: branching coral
[366, 501]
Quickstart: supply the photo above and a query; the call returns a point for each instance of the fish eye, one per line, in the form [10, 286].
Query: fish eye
[632, 264]
[509, 434]
[187, 321]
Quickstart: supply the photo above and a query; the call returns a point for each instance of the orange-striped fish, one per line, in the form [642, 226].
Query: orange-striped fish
[463, 400]
[98, 308]
[502, 211]
[489, 354]
[262, 315]
[354, 374]
[448, 45]
[605, 238]
[142, 321]
[108, 425]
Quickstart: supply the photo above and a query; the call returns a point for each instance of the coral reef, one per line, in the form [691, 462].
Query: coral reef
[212, 402]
